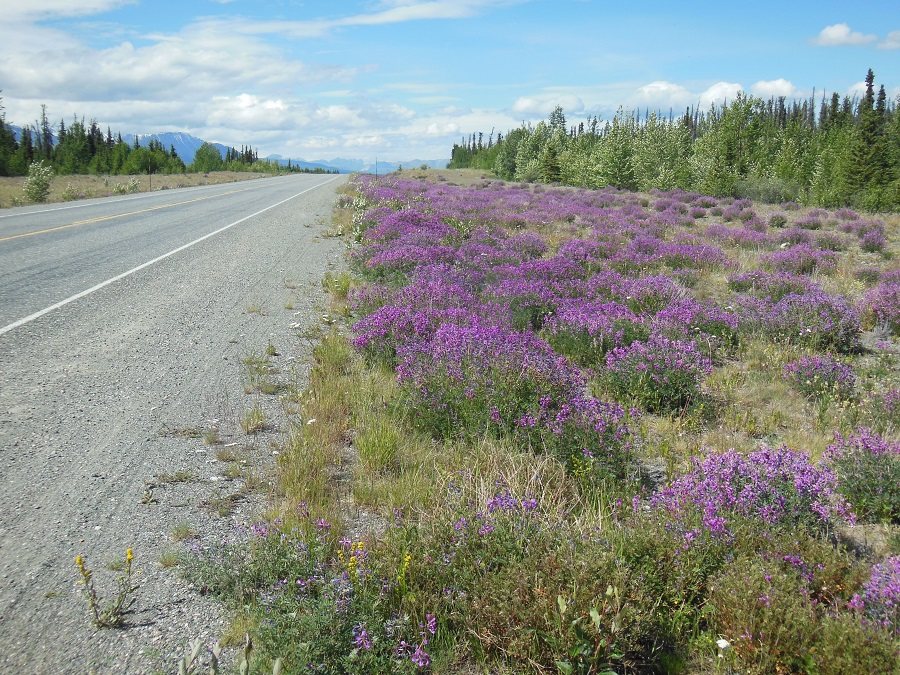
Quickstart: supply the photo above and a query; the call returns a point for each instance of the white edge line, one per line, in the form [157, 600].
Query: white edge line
[118, 277]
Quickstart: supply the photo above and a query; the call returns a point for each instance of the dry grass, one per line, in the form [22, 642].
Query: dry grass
[102, 186]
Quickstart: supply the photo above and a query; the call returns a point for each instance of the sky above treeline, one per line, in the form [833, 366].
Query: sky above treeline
[405, 79]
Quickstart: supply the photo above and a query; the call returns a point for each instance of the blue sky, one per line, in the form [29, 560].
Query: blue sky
[405, 79]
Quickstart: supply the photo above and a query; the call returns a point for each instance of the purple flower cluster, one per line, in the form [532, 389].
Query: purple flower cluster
[886, 409]
[801, 259]
[813, 319]
[475, 379]
[880, 599]
[659, 374]
[771, 286]
[689, 319]
[868, 468]
[774, 487]
[820, 377]
[739, 236]
[592, 437]
[881, 305]
[586, 330]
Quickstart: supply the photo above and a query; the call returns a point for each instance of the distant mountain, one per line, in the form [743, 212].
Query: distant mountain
[361, 166]
[185, 145]
[299, 163]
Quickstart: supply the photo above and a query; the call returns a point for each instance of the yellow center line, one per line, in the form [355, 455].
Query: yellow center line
[121, 215]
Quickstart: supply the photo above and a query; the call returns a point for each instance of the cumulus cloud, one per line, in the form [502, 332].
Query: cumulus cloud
[542, 105]
[661, 94]
[188, 65]
[892, 41]
[719, 93]
[773, 88]
[857, 90]
[840, 34]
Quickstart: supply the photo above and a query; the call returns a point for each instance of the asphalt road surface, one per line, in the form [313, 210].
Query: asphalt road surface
[123, 321]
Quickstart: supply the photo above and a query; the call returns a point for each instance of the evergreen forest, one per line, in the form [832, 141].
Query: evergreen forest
[829, 151]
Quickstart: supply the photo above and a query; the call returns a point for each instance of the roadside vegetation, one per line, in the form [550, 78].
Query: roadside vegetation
[551, 429]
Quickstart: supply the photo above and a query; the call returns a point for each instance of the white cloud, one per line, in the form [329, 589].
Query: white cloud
[840, 35]
[661, 94]
[858, 90]
[542, 105]
[892, 41]
[719, 93]
[773, 88]
[19, 10]
[401, 11]
[187, 66]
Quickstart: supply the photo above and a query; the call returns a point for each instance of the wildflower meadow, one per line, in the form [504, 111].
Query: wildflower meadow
[563, 430]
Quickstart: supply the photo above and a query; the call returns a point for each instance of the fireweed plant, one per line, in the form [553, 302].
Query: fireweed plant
[530, 358]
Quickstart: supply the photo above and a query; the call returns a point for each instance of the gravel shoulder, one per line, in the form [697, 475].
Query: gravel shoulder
[103, 398]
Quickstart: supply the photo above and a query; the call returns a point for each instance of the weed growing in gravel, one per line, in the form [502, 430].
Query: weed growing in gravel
[212, 435]
[183, 531]
[179, 476]
[111, 613]
[254, 420]
[168, 559]
[259, 373]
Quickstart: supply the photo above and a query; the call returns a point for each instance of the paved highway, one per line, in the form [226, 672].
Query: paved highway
[50, 253]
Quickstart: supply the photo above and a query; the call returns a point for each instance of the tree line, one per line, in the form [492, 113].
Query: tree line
[828, 152]
[81, 148]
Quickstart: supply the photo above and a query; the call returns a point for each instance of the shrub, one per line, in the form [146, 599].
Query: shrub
[813, 319]
[820, 377]
[873, 241]
[879, 603]
[692, 320]
[592, 439]
[768, 189]
[881, 306]
[319, 603]
[494, 566]
[868, 469]
[37, 185]
[71, 194]
[831, 241]
[776, 488]
[780, 617]
[472, 380]
[770, 286]
[810, 222]
[885, 410]
[777, 220]
[585, 331]
[795, 235]
[660, 375]
[801, 259]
